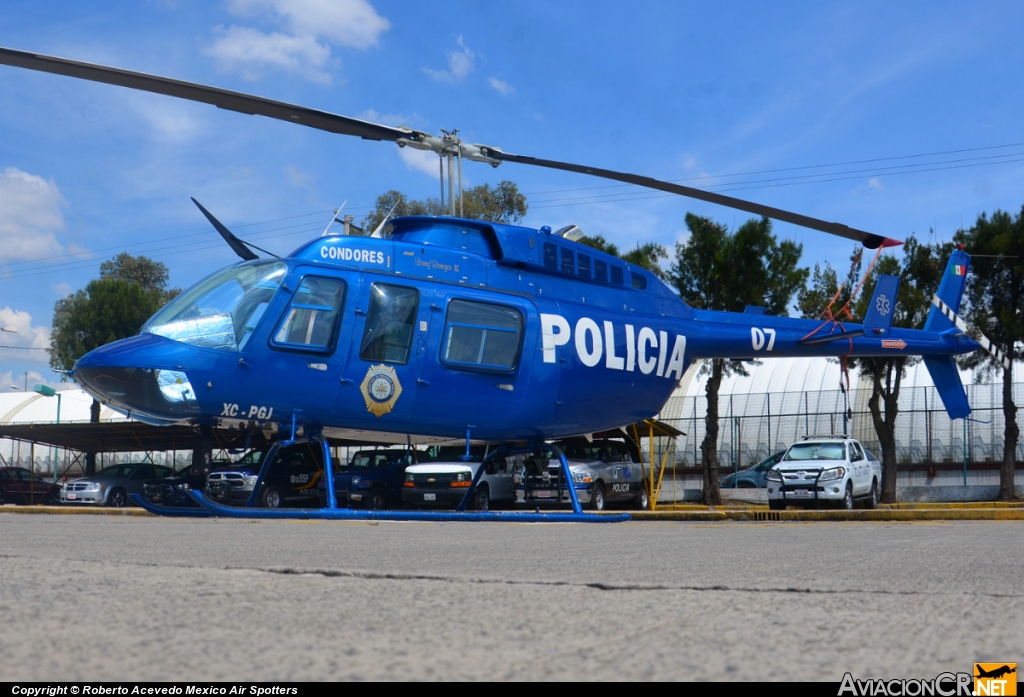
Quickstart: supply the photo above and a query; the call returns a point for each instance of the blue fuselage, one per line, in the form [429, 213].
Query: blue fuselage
[445, 326]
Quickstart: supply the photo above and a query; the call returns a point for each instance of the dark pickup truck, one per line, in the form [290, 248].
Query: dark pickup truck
[370, 479]
[292, 478]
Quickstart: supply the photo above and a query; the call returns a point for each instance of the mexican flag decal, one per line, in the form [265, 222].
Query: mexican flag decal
[957, 270]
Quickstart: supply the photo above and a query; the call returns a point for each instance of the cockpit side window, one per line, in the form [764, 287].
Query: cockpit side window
[312, 317]
[389, 324]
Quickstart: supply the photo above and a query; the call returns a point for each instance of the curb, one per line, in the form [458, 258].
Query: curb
[878, 515]
[894, 512]
[75, 510]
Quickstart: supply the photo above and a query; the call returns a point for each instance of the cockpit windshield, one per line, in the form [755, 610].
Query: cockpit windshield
[222, 311]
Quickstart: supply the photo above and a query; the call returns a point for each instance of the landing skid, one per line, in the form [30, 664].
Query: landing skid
[172, 511]
[210, 509]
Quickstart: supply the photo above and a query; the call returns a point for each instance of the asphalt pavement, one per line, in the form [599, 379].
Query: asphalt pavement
[92, 598]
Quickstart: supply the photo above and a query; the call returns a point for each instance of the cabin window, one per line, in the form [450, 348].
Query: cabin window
[568, 262]
[639, 281]
[550, 256]
[312, 317]
[617, 276]
[600, 271]
[584, 266]
[389, 323]
[482, 335]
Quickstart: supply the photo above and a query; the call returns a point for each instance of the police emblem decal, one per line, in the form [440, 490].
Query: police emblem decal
[381, 389]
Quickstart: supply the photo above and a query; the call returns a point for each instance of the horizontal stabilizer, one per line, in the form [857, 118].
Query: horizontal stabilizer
[947, 382]
[878, 320]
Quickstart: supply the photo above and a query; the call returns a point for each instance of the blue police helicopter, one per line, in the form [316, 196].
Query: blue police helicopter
[442, 328]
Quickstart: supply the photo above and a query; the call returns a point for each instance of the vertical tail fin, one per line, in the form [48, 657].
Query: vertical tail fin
[942, 368]
[880, 311]
[951, 291]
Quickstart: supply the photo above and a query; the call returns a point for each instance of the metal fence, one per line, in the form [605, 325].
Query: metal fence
[754, 426]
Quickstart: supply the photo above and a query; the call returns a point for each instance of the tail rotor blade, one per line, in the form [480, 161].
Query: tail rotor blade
[986, 344]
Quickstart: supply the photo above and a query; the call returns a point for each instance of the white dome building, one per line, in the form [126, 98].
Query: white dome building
[32, 407]
[783, 399]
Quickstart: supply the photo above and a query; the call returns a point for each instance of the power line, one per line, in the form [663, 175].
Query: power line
[793, 169]
[73, 261]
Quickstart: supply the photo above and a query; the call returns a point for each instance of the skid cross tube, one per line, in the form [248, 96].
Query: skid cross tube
[264, 467]
[570, 482]
[332, 501]
[476, 476]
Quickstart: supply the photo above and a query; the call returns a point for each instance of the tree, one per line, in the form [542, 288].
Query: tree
[824, 297]
[647, 256]
[995, 294]
[501, 204]
[150, 275]
[114, 306]
[600, 243]
[920, 271]
[719, 270]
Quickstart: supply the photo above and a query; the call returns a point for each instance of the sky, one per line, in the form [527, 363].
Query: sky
[896, 118]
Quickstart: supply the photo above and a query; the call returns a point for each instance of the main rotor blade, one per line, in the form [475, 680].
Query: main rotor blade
[221, 98]
[868, 239]
[334, 123]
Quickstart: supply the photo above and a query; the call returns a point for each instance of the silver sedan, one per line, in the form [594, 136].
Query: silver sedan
[111, 485]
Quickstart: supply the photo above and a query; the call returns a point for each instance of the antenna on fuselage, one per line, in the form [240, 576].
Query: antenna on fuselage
[376, 232]
[334, 219]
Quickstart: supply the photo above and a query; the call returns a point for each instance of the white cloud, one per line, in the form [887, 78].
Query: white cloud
[251, 53]
[460, 64]
[393, 120]
[304, 48]
[30, 215]
[30, 338]
[420, 160]
[299, 179]
[352, 23]
[501, 86]
[874, 183]
[63, 290]
[168, 119]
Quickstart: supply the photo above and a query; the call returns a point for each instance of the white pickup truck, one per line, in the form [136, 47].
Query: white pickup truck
[830, 470]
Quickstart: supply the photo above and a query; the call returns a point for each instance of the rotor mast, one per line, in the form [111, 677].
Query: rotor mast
[449, 147]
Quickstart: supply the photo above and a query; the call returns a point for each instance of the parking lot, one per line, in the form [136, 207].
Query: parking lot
[140, 598]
